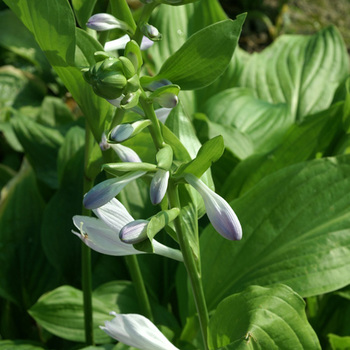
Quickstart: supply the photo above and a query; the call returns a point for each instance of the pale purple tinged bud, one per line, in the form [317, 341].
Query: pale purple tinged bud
[121, 132]
[151, 32]
[108, 189]
[134, 232]
[167, 100]
[154, 85]
[105, 21]
[159, 186]
[219, 212]
[104, 145]
[162, 114]
[146, 43]
[126, 154]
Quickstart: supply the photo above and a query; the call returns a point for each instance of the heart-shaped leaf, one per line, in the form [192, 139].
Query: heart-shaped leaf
[302, 71]
[295, 231]
[262, 318]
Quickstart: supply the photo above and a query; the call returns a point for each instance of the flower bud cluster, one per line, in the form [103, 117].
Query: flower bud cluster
[112, 78]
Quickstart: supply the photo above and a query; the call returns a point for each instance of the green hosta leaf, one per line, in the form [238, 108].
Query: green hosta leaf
[83, 10]
[61, 313]
[339, 343]
[203, 57]
[6, 174]
[262, 318]
[165, 19]
[226, 81]
[54, 112]
[263, 122]
[41, 146]
[67, 49]
[61, 247]
[21, 254]
[20, 90]
[302, 141]
[73, 143]
[206, 12]
[15, 37]
[237, 142]
[19, 345]
[295, 231]
[120, 293]
[302, 71]
[51, 25]
[346, 117]
[210, 152]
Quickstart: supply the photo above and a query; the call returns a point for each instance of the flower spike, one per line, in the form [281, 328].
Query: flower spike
[219, 212]
[136, 331]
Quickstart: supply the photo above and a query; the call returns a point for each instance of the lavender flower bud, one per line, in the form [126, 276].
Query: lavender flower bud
[219, 212]
[134, 232]
[159, 186]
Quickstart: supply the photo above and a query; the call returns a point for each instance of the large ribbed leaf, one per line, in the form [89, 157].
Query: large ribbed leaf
[302, 71]
[296, 231]
[263, 122]
[262, 318]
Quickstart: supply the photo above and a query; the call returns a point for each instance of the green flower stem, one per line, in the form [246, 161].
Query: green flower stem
[154, 128]
[145, 15]
[190, 264]
[85, 250]
[136, 276]
[131, 260]
[118, 117]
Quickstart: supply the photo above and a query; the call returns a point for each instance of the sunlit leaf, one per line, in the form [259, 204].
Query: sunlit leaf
[262, 318]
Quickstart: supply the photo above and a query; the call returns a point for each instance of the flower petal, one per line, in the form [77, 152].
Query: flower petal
[137, 331]
[99, 237]
[219, 212]
[114, 215]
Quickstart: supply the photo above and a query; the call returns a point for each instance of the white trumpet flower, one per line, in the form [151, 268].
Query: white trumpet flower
[102, 233]
[137, 331]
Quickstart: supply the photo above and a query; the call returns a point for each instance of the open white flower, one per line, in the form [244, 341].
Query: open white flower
[219, 212]
[137, 331]
[102, 233]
